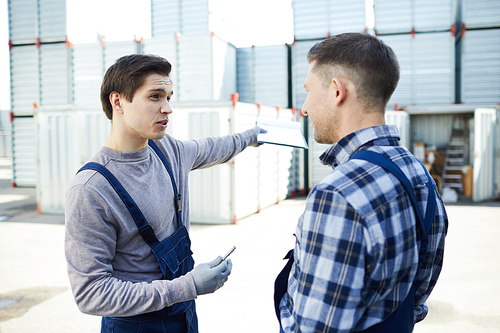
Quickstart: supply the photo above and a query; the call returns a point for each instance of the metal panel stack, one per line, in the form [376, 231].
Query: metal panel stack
[263, 75]
[67, 136]
[40, 73]
[422, 34]
[206, 68]
[479, 48]
[88, 70]
[321, 18]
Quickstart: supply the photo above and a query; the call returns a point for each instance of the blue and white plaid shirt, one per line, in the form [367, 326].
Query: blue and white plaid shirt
[356, 253]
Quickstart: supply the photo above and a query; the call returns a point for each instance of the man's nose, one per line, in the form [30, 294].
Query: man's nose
[165, 107]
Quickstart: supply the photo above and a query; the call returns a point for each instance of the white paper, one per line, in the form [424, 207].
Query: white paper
[281, 132]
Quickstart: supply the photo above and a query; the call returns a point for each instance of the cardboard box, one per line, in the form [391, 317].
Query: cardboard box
[467, 181]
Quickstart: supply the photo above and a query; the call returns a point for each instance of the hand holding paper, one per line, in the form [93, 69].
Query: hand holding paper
[281, 132]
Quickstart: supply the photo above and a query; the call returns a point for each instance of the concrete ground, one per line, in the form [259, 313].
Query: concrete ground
[35, 294]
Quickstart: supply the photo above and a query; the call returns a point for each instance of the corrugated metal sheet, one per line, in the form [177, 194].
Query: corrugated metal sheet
[55, 74]
[115, 50]
[321, 18]
[88, 71]
[427, 63]
[485, 126]
[23, 21]
[24, 79]
[165, 47]
[24, 151]
[432, 15]
[66, 138]
[245, 84]
[310, 18]
[208, 77]
[262, 75]
[52, 20]
[347, 16]
[434, 130]
[402, 120]
[5, 134]
[194, 16]
[405, 16]
[300, 66]
[393, 16]
[165, 18]
[402, 47]
[481, 13]
[480, 70]
[434, 68]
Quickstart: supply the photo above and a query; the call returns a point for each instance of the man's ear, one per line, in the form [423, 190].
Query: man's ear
[339, 90]
[116, 101]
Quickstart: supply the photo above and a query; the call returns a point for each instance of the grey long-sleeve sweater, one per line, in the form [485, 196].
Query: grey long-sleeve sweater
[111, 268]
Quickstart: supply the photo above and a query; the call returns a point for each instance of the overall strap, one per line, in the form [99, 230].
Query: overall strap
[144, 228]
[424, 224]
[177, 196]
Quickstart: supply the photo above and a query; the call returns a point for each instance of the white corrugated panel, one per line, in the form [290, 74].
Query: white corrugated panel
[485, 125]
[268, 166]
[165, 18]
[52, 20]
[208, 77]
[166, 47]
[23, 151]
[245, 84]
[55, 74]
[194, 16]
[246, 165]
[402, 120]
[210, 189]
[195, 72]
[402, 47]
[66, 138]
[481, 66]
[481, 13]
[115, 50]
[433, 129]
[311, 19]
[23, 21]
[271, 75]
[24, 76]
[288, 167]
[346, 16]
[5, 134]
[300, 67]
[434, 68]
[88, 71]
[393, 16]
[433, 15]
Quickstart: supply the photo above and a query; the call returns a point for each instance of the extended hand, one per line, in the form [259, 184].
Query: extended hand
[211, 276]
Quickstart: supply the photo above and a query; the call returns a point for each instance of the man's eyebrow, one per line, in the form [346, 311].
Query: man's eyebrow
[163, 90]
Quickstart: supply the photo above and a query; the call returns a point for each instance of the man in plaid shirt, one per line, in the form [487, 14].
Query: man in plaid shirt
[356, 256]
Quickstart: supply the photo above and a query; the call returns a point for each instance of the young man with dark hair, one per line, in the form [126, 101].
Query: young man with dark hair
[127, 211]
[365, 258]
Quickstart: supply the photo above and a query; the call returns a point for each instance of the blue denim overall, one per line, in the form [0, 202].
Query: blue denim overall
[401, 320]
[173, 255]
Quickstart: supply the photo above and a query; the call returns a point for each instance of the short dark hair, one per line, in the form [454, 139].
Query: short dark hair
[128, 74]
[368, 62]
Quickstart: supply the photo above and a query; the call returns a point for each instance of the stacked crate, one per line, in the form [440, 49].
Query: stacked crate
[479, 50]
[40, 70]
[422, 34]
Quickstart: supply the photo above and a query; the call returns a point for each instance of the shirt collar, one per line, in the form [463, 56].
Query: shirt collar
[341, 151]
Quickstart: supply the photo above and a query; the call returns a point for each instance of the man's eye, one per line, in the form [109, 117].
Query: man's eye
[168, 98]
[155, 96]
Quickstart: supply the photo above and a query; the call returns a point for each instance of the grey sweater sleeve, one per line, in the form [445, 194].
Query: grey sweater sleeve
[90, 244]
[217, 150]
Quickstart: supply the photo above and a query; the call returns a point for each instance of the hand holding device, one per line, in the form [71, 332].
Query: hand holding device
[211, 276]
